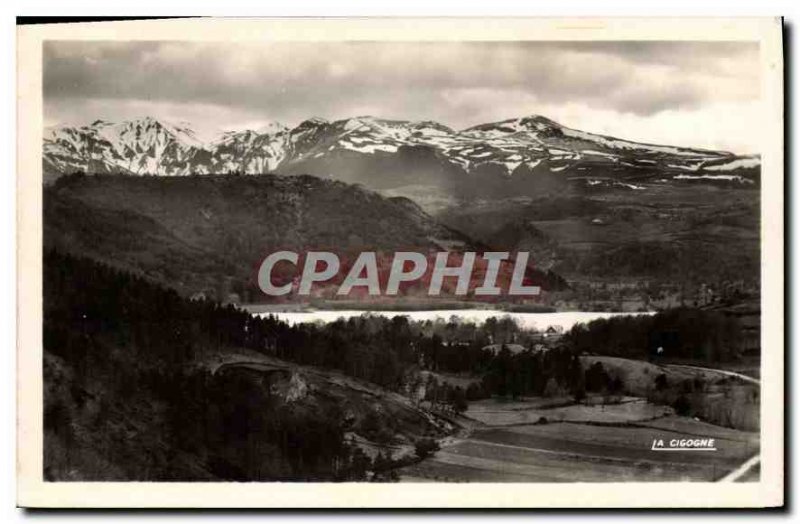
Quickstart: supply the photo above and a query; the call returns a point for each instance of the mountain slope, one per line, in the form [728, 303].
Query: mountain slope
[141, 384]
[526, 154]
[209, 234]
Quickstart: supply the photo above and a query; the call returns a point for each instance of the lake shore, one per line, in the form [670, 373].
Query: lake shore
[378, 306]
[563, 320]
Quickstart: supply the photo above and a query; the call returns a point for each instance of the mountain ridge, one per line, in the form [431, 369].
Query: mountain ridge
[209, 234]
[383, 153]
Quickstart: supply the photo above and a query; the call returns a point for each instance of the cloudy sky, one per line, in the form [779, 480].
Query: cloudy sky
[693, 94]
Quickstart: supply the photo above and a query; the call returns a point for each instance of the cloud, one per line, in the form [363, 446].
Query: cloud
[457, 83]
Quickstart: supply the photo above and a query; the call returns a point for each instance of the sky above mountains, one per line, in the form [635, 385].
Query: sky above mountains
[701, 94]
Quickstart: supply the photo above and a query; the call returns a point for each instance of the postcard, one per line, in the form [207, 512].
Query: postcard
[401, 263]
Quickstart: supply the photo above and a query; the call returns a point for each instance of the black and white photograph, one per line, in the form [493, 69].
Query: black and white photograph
[271, 261]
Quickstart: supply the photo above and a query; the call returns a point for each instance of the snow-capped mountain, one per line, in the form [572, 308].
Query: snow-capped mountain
[249, 151]
[139, 147]
[385, 153]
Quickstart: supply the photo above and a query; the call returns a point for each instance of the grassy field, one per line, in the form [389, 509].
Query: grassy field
[631, 410]
[720, 399]
[638, 376]
[592, 444]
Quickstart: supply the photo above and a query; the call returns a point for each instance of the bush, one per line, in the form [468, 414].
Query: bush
[475, 392]
[682, 406]
[552, 389]
[578, 396]
[426, 447]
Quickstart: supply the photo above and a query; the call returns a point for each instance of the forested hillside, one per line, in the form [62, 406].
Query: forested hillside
[209, 234]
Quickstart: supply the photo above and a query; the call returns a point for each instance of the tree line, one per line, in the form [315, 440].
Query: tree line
[682, 333]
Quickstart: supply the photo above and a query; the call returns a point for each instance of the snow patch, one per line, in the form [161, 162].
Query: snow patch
[739, 163]
[730, 178]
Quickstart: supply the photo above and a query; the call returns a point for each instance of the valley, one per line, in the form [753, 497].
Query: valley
[613, 225]
[200, 391]
[629, 250]
[585, 451]
[156, 330]
[601, 439]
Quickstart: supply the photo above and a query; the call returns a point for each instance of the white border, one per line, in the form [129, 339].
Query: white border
[33, 492]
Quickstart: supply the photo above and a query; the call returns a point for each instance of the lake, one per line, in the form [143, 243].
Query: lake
[563, 319]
